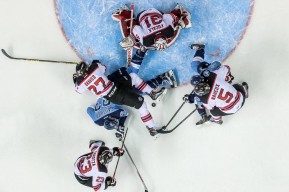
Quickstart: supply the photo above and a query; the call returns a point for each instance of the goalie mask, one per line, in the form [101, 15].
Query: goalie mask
[202, 89]
[105, 157]
[161, 44]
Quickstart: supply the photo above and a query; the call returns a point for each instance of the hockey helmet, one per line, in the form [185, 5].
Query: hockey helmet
[161, 43]
[105, 157]
[111, 123]
[202, 66]
[195, 80]
[80, 68]
[202, 89]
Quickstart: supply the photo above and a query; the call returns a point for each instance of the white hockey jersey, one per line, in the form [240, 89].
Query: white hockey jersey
[87, 166]
[95, 81]
[151, 23]
[222, 95]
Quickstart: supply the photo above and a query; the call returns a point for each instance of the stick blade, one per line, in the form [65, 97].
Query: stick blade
[4, 52]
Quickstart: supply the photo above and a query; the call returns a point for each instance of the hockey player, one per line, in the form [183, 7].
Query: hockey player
[213, 90]
[157, 82]
[152, 28]
[111, 116]
[117, 88]
[91, 169]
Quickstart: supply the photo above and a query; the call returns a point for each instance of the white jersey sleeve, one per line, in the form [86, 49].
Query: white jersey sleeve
[138, 33]
[169, 19]
[222, 71]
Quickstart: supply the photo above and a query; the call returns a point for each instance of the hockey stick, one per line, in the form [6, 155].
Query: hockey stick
[130, 50]
[37, 60]
[162, 131]
[146, 189]
[119, 156]
[164, 127]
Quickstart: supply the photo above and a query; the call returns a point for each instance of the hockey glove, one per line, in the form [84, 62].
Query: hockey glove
[120, 133]
[74, 76]
[117, 151]
[110, 181]
[229, 78]
[119, 136]
[186, 99]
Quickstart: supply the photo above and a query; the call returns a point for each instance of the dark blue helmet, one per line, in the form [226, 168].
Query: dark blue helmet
[197, 79]
[111, 123]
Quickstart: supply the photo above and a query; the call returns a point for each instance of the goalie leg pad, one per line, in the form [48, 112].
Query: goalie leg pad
[123, 16]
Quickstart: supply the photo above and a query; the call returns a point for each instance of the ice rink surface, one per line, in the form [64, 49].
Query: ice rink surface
[44, 127]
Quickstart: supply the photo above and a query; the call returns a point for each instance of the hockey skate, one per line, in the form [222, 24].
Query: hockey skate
[246, 88]
[156, 94]
[170, 78]
[153, 132]
[216, 120]
[196, 46]
[204, 120]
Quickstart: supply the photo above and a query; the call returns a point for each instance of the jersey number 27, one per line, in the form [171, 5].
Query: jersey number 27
[99, 84]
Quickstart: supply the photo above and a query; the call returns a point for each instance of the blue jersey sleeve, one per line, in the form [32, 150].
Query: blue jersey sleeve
[103, 109]
[215, 65]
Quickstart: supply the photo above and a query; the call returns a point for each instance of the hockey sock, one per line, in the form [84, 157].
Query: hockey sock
[200, 53]
[146, 116]
[201, 110]
[154, 83]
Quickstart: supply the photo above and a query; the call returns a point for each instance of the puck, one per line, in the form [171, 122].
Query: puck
[154, 104]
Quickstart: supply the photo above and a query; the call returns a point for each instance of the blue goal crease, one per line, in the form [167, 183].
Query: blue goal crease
[90, 30]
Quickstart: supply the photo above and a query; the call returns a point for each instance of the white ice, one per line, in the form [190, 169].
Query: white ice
[44, 126]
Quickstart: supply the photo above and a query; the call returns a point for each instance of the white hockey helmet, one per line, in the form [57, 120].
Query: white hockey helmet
[161, 43]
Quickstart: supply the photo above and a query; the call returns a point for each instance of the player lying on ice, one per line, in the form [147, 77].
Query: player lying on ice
[113, 116]
[91, 169]
[109, 115]
[213, 89]
[117, 87]
[152, 28]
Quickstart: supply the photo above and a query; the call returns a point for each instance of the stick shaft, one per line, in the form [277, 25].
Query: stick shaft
[37, 60]
[119, 156]
[139, 175]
